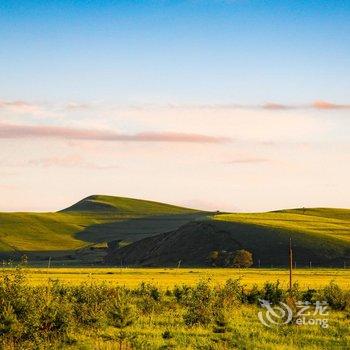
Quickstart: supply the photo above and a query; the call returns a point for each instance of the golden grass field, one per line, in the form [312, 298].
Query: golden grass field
[93, 315]
[169, 277]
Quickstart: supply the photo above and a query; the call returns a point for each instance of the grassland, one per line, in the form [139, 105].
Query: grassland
[168, 278]
[94, 219]
[320, 235]
[318, 222]
[58, 231]
[36, 314]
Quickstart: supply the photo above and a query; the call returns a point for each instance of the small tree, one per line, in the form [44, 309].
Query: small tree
[122, 315]
[24, 260]
[214, 257]
[242, 258]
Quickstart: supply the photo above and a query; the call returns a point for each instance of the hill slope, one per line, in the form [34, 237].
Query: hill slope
[94, 219]
[121, 205]
[319, 235]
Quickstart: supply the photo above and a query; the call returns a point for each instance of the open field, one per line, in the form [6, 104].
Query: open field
[82, 314]
[168, 278]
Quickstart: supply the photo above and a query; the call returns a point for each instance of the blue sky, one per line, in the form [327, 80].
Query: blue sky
[242, 51]
[249, 99]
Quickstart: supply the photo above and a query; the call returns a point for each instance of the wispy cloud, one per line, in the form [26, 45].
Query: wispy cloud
[276, 106]
[69, 161]
[41, 109]
[21, 107]
[11, 131]
[64, 161]
[317, 105]
[7, 187]
[76, 106]
[324, 105]
[248, 161]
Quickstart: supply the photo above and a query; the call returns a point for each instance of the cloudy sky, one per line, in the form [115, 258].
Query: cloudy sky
[233, 105]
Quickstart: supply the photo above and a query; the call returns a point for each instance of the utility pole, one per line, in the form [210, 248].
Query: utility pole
[290, 263]
[310, 264]
[49, 262]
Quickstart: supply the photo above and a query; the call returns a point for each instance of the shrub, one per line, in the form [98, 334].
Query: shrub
[309, 295]
[167, 335]
[55, 318]
[253, 296]
[122, 314]
[231, 293]
[146, 289]
[181, 293]
[334, 296]
[273, 292]
[242, 258]
[221, 322]
[8, 321]
[199, 305]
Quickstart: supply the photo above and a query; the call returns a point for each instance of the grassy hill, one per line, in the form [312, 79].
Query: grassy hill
[319, 235]
[94, 219]
[163, 234]
[124, 206]
[320, 223]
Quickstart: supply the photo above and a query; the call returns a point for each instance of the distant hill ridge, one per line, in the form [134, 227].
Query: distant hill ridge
[97, 203]
[94, 219]
[70, 235]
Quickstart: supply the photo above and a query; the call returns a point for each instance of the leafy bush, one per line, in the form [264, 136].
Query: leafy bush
[253, 296]
[334, 296]
[122, 314]
[242, 258]
[273, 292]
[199, 304]
[310, 295]
[181, 293]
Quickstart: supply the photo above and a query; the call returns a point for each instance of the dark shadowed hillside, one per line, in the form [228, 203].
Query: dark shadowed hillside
[323, 241]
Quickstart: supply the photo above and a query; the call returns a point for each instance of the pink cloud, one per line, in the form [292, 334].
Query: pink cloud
[11, 131]
[329, 105]
[20, 107]
[23, 107]
[70, 161]
[275, 106]
[248, 161]
[74, 106]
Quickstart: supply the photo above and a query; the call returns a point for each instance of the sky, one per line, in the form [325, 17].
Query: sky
[237, 105]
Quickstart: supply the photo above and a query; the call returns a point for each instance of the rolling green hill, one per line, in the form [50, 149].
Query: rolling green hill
[94, 219]
[322, 223]
[319, 235]
[163, 234]
[124, 206]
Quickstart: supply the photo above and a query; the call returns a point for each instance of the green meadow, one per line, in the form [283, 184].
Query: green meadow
[79, 235]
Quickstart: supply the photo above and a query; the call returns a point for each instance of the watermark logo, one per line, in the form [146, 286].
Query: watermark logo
[307, 314]
[275, 315]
